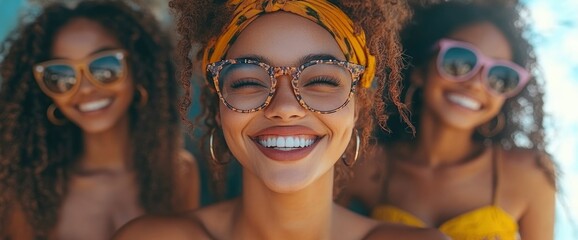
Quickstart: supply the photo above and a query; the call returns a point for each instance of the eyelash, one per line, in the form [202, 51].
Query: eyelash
[246, 83]
[324, 80]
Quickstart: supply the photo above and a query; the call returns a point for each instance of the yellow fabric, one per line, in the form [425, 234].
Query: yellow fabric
[486, 223]
[327, 15]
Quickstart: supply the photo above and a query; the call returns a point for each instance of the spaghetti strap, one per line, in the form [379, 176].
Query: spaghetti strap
[496, 170]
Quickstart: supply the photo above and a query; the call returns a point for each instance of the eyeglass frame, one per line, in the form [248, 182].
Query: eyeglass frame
[483, 61]
[214, 69]
[80, 67]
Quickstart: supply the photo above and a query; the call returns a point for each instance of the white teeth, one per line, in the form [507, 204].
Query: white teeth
[286, 143]
[95, 105]
[464, 101]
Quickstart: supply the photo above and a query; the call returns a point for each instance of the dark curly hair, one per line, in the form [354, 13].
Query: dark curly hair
[36, 156]
[199, 21]
[524, 114]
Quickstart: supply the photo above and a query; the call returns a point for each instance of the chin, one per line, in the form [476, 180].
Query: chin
[96, 127]
[287, 182]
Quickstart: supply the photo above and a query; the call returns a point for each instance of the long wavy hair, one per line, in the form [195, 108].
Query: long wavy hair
[198, 21]
[36, 156]
[524, 114]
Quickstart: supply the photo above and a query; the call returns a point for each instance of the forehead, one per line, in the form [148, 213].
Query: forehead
[80, 38]
[486, 37]
[284, 38]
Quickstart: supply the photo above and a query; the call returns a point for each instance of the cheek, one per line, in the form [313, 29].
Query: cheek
[126, 92]
[232, 124]
[63, 105]
[497, 102]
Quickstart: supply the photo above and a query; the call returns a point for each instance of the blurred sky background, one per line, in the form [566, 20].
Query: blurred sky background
[555, 37]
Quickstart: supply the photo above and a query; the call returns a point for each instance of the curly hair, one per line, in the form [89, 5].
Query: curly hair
[36, 156]
[199, 21]
[524, 114]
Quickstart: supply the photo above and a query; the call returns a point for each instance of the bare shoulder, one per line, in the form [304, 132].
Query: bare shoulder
[162, 227]
[187, 182]
[187, 160]
[527, 166]
[394, 231]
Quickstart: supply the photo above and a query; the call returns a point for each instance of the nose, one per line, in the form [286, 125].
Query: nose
[86, 86]
[476, 81]
[284, 106]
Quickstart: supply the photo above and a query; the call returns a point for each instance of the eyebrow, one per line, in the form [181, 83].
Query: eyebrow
[301, 61]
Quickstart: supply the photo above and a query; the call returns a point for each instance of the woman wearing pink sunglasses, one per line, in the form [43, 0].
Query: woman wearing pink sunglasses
[475, 167]
[90, 133]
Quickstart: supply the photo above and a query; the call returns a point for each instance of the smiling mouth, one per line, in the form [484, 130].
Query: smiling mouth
[464, 101]
[95, 105]
[286, 143]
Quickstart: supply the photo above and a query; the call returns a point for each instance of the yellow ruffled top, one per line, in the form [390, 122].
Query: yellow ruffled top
[486, 223]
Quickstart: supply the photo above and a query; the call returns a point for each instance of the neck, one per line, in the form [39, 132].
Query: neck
[304, 214]
[107, 150]
[439, 144]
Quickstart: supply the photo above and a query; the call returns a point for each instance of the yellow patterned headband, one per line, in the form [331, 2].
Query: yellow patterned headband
[321, 12]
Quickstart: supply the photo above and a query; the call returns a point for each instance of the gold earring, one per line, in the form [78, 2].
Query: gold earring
[357, 144]
[143, 96]
[51, 114]
[211, 149]
[488, 132]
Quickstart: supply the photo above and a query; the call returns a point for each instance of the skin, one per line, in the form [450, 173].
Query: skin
[445, 163]
[282, 199]
[102, 194]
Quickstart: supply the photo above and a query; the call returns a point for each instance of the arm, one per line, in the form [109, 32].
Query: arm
[187, 182]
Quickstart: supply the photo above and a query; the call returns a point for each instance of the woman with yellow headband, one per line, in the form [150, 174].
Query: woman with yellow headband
[288, 96]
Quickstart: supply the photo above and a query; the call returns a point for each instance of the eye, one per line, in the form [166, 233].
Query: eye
[322, 81]
[246, 83]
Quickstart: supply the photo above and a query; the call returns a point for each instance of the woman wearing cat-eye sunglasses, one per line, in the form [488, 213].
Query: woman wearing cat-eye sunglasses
[475, 167]
[90, 133]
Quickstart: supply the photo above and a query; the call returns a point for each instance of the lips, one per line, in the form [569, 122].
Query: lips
[287, 143]
[95, 105]
[464, 101]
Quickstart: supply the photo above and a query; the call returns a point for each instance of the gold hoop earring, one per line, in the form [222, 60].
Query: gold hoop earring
[488, 132]
[212, 149]
[357, 144]
[143, 96]
[408, 99]
[51, 114]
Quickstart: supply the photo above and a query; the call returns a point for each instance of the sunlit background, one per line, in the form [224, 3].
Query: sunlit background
[554, 35]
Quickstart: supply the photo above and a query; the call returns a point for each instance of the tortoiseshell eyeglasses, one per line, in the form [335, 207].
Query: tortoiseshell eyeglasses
[321, 86]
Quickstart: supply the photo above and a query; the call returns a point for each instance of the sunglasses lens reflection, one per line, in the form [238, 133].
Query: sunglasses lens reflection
[59, 78]
[503, 79]
[106, 69]
[459, 62]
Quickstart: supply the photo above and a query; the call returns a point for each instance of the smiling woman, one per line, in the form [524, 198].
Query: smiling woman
[288, 85]
[476, 167]
[85, 91]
